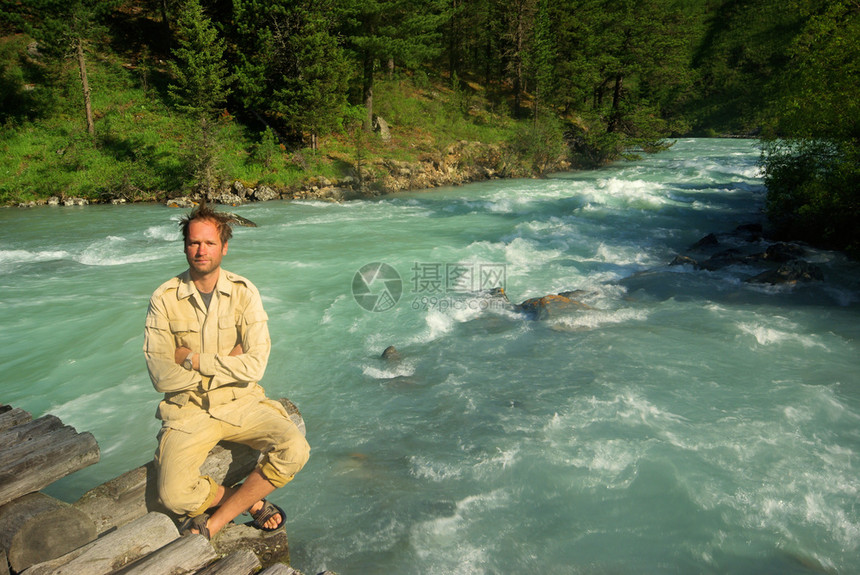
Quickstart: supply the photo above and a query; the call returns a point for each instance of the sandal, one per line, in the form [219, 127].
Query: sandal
[198, 522]
[266, 512]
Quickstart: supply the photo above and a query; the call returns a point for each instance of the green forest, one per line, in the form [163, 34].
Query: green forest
[152, 99]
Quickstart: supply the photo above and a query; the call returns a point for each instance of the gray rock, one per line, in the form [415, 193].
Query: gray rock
[550, 306]
[227, 198]
[239, 189]
[183, 202]
[782, 252]
[381, 126]
[390, 354]
[790, 273]
[265, 193]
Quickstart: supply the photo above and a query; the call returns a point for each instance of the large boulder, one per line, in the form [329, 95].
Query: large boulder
[790, 273]
[551, 306]
[381, 126]
[782, 252]
[265, 193]
[183, 202]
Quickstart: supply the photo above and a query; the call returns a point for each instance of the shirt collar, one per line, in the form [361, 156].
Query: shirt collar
[187, 287]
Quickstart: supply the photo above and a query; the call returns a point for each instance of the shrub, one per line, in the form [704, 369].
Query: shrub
[813, 188]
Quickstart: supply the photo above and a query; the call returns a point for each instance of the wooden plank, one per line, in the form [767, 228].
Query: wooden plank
[121, 500]
[242, 562]
[29, 467]
[30, 432]
[12, 416]
[115, 550]
[183, 556]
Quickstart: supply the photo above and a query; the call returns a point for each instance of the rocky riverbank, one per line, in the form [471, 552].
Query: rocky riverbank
[460, 163]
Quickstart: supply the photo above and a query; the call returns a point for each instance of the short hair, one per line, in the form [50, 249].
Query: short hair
[205, 213]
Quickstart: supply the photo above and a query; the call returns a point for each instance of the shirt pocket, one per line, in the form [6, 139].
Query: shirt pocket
[228, 332]
[185, 333]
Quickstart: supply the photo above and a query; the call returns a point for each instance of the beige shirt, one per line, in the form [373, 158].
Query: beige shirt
[177, 317]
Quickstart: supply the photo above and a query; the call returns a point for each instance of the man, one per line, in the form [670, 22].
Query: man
[206, 345]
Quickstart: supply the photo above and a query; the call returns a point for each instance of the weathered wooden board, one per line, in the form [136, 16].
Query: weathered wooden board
[242, 562]
[184, 555]
[114, 550]
[35, 454]
[12, 416]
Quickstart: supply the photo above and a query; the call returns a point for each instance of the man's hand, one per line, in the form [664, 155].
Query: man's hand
[182, 353]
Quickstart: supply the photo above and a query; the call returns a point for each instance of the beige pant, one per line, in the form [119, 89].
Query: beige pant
[266, 427]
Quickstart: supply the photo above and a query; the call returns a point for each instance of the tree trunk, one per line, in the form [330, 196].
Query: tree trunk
[114, 550]
[368, 92]
[242, 562]
[184, 555]
[82, 66]
[454, 41]
[165, 24]
[35, 454]
[12, 416]
[616, 104]
[37, 528]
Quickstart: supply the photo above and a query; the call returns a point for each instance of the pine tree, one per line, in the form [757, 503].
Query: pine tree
[292, 71]
[402, 31]
[541, 59]
[201, 81]
[201, 84]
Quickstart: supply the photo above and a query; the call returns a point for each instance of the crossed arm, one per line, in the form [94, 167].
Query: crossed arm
[182, 353]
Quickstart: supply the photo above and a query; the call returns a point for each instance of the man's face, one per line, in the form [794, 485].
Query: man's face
[203, 248]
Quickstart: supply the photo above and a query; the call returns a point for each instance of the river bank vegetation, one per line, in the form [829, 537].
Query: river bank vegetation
[147, 100]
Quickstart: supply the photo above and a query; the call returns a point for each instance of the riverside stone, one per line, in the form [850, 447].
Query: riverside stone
[790, 273]
[183, 202]
[264, 194]
[550, 306]
[381, 126]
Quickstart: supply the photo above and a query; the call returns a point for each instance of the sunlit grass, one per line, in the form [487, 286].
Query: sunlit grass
[140, 144]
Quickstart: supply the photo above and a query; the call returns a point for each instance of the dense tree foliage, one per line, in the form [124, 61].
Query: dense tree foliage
[292, 72]
[812, 146]
[63, 28]
[201, 86]
[606, 77]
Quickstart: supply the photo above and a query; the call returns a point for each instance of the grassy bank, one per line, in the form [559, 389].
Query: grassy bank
[141, 143]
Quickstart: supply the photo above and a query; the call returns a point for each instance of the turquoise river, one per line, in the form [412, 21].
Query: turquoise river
[687, 422]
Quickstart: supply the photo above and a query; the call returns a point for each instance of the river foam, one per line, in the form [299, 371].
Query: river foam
[685, 422]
